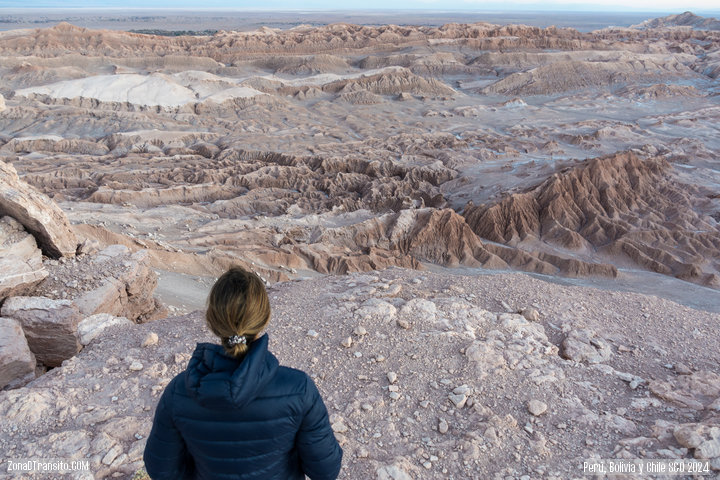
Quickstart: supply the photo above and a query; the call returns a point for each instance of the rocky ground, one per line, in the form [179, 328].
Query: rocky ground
[425, 375]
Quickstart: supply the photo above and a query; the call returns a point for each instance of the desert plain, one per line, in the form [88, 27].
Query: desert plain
[496, 248]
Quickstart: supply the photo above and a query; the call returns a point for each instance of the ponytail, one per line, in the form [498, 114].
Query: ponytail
[238, 310]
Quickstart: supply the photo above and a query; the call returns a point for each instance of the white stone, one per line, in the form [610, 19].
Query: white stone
[443, 426]
[339, 427]
[536, 407]
[150, 339]
[112, 454]
[458, 400]
[392, 472]
[91, 327]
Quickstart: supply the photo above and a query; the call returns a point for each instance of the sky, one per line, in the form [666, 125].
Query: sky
[671, 6]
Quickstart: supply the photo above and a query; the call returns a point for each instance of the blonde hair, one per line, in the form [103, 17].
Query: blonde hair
[237, 305]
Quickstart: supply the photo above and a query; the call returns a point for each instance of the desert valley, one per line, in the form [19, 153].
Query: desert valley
[496, 248]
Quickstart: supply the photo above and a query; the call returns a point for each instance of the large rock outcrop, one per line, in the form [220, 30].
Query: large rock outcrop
[21, 265]
[114, 281]
[50, 326]
[17, 363]
[37, 213]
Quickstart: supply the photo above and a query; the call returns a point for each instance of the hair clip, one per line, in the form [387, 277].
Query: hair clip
[237, 340]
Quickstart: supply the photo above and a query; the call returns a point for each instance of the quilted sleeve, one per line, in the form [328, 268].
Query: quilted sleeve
[166, 456]
[320, 454]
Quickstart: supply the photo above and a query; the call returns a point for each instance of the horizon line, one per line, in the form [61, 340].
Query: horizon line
[363, 10]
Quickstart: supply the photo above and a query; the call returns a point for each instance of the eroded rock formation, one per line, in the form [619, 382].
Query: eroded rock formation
[36, 213]
[618, 205]
[20, 259]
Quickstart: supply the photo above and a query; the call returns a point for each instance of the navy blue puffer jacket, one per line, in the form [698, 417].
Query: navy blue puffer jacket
[224, 418]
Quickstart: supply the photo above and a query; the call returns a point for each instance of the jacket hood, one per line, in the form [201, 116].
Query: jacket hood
[217, 380]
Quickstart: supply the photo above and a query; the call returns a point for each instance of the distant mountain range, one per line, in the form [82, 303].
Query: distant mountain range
[687, 19]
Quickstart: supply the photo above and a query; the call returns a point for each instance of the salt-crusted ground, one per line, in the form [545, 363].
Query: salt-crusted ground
[426, 375]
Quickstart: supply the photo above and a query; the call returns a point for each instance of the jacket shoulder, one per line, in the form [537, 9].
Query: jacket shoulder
[287, 382]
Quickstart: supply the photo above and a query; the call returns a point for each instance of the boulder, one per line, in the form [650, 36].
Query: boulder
[37, 213]
[705, 439]
[17, 363]
[50, 326]
[583, 345]
[92, 326]
[21, 265]
[127, 290]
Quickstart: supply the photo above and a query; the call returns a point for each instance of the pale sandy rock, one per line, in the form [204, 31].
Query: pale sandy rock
[420, 306]
[536, 407]
[487, 356]
[403, 323]
[26, 407]
[106, 298]
[150, 339]
[458, 399]
[88, 247]
[584, 345]
[530, 314]
[137, 449]
[375, 307]
[705, 439]
[689, 435]
[17, 363]
[396, 471]
[50, 326]
[37, 213]
[73, 444]
[443, 426]
[21, 265]
[91, 327]
[112, 454]
[2, 103]
[110, 252]
[135, 366]
[127, 289]
[697, 391]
